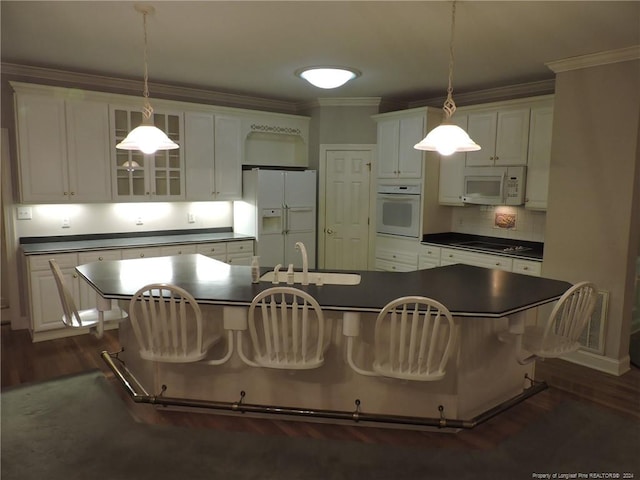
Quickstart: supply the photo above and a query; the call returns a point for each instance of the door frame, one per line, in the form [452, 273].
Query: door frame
[322, 168]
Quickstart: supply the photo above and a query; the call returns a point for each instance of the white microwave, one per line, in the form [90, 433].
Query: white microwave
[494, 185]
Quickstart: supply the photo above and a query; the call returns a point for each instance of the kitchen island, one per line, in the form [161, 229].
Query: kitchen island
[482, 373]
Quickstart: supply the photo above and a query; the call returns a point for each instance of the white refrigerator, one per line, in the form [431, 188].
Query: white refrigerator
[278, 207]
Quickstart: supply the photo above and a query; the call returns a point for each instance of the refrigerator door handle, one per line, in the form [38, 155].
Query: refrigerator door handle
[285, 218]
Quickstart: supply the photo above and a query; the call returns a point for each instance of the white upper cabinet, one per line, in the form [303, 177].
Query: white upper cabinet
[213, 156]
[539, 156]
[140, 177]
[503, 135]
[63, 147]
[396, 137]
[228, 158]
[451, 184]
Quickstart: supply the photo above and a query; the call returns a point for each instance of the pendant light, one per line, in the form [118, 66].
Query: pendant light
[146, 137]
[448, 138]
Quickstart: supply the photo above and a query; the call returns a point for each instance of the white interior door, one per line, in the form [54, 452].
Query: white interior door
[346, 208]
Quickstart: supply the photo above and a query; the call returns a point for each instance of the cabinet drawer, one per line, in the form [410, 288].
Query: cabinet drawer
[430, 251]
[406, 258]
[450, 255]
[426, 261]
[244, 246]
[217, 249]
[239, 258]
[177, 250]
[99, 256]
[388, 266]
[528, 267]
[64, 260]
[149, 252]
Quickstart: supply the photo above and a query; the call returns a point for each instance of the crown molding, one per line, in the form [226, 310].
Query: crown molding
[522, 90]
[27, 73]
[340, 102]
[595, 59]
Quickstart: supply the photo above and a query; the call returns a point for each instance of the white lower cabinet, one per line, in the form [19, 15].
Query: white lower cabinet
[240, 252]
[44, 301]
[45, 305]
[395, 260]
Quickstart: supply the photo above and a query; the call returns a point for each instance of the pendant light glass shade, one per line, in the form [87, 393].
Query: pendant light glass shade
[448, 138]
[146, 137]
[327, 77]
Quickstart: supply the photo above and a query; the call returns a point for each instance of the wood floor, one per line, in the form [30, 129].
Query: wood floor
[26, 362]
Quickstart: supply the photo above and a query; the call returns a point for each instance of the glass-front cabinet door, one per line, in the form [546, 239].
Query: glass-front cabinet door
[140, 177]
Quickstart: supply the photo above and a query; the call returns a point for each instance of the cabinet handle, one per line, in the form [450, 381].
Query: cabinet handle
[75, 275]
[141, 255]
[450, 255]
[65, 193]
[73, 193]
[100, 259]
[525, 268]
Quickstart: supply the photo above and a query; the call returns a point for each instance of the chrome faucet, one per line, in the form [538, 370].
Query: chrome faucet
[305, 262]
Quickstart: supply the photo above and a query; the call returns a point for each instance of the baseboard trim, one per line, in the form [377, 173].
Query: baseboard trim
[600, 363]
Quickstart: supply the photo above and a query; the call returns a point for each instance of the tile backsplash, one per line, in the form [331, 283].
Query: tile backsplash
[500, 221]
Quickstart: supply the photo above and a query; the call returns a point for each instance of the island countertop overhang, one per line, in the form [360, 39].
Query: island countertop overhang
[466, 290]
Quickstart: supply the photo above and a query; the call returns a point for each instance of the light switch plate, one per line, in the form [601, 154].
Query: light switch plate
[25, 213]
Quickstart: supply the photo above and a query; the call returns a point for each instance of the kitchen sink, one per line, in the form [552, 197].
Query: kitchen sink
[315, 278]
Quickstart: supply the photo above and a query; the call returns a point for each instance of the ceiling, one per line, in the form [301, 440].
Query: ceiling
[254, 47]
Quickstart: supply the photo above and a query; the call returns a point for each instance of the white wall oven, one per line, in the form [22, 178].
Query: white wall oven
[398, 209]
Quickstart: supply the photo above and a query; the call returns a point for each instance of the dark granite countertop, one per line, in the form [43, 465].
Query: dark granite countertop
[111, 241]
[534, 250]
[466, 290]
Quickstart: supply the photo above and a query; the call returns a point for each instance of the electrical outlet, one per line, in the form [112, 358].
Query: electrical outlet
[66, 222]
[25, 213]
[191, 217]
[139, 221]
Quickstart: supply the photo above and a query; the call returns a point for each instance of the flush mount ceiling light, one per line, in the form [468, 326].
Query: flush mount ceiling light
[146, 137]
[327, 77]
[448, 138]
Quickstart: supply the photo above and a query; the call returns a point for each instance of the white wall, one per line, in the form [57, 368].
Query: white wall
[122, 217]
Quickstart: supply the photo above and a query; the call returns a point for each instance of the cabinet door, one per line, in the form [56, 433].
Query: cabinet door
[42, 148]
[388, 142]
[88, 148]
[410, 160]
[167, 169]
[228, 158]
[512, 137]
[482, 129]
[130, 167]
[539, 157]
[199, 155]
[46, 307]
[451, 183]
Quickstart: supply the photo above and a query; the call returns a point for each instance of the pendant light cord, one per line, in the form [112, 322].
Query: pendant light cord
[449, 105]
[147, 110]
